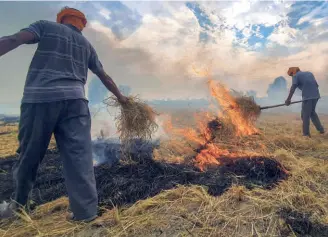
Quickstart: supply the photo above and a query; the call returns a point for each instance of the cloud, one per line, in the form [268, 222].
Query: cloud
[170, 46]
[156, 55]
[284, 35]
[152, 46]
[105, 13]
[312, 14]
[244, 13]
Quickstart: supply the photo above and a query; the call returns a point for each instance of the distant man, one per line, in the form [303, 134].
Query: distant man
[306, 82]
[54, 102]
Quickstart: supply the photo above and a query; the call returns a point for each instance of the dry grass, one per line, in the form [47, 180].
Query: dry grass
[191, 211]
[135, 120]
[9, 141]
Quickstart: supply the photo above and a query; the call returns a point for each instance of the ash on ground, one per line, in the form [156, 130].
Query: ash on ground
[122, 181]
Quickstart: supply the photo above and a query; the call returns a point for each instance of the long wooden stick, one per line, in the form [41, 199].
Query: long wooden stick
[279, 105]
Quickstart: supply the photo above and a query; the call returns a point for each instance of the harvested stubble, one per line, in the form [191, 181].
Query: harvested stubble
[136, 119]
[296, 206]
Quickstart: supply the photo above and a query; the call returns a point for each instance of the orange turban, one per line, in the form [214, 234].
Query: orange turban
[72, 16]
[293, 70]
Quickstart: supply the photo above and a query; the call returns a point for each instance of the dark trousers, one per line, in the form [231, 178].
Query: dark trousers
[70, 122]
[308, 112]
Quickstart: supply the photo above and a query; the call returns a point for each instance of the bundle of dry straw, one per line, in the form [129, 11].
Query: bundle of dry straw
[246, 105]
[248, 108]
[136, 120]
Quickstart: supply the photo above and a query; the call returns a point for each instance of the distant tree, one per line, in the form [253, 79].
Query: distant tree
[278, 88]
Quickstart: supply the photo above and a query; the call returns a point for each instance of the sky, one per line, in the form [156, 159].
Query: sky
[154, 47]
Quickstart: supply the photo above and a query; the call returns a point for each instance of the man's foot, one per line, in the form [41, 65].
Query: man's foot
[71, 217]
[7, 210]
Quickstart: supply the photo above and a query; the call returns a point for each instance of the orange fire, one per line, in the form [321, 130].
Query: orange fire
[230, 107]
[202, 136]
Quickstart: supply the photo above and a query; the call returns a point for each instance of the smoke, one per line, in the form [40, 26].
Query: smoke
[125, 90]
[105, 151]
[153, 73]
[103, 124]
[277, 89]
[152, 46]
[96, 91]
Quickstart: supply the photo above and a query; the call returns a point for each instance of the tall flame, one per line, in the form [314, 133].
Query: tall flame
[230, 107]
[209, 152]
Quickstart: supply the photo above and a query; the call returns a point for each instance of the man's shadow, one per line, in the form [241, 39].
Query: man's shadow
[122, 183]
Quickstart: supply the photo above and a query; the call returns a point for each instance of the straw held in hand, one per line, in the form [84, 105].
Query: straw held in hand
[136, 119]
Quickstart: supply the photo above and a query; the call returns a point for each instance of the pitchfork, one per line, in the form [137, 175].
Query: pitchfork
[279, 105]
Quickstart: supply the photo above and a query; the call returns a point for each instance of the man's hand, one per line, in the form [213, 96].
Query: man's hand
[287, 102]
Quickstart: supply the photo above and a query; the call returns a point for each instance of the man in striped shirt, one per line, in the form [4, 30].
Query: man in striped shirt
[54, 102]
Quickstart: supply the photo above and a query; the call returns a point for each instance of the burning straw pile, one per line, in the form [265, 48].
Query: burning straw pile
[241, 110]
[135, 120]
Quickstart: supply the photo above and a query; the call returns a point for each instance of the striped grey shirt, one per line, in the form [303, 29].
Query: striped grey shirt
[59, 68]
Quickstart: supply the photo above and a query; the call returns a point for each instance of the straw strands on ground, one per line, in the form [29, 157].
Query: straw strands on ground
[222, 202]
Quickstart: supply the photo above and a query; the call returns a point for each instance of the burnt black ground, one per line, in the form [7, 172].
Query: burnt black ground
[142, 177]
[302, 225]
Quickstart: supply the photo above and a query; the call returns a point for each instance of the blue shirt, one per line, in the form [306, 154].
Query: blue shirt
[306, 82]
[59, 68]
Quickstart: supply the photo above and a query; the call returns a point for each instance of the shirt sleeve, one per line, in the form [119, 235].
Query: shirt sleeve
[94, 64]
[36, 29]
[295, 81]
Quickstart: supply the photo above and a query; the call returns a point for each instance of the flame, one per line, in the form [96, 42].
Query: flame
[230, 107]
[209, 156]
[202, 137]
[209, 153]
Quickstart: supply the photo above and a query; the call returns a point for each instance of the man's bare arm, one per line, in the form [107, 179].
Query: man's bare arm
[9, 43]
[291, 93]
[111, 86]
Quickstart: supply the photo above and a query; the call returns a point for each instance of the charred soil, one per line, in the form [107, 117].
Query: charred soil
[141, 177]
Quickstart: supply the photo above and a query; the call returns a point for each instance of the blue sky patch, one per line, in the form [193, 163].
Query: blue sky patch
[202, 17]
[264, 32]
[203, 20]
[300, 9]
